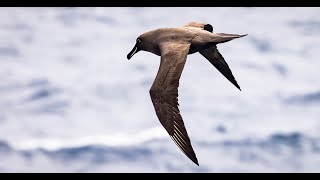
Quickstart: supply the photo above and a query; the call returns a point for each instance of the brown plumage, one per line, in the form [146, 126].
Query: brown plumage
[173, 45]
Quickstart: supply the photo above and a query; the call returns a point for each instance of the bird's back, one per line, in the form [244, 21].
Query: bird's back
[169, 35]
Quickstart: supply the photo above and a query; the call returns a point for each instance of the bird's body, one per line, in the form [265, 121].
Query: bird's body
[198, 38]
[173, 45]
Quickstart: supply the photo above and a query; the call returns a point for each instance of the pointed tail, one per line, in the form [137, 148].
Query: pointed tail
[223, 37]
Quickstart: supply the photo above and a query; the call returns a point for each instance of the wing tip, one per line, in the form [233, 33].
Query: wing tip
[196, 162]
[192, 157]
[235, 83]
[238, 87]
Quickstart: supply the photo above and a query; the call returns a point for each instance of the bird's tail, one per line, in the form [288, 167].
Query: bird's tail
[223, 37]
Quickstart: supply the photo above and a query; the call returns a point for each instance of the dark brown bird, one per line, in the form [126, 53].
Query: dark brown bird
[173, 45]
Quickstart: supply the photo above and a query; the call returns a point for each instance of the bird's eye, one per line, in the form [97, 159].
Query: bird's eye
[138, 40]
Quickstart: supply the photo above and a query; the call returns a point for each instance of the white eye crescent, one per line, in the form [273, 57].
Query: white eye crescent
[138, 40]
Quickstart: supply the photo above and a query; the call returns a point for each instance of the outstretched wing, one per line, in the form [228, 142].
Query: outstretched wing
[213, 55]
[216, 59]
[164, 95]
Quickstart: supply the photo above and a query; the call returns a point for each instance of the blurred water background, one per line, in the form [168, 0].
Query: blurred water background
[70, 101]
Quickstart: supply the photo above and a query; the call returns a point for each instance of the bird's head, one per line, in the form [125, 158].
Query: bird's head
[145, 42]
[140, 45]
[136, 48]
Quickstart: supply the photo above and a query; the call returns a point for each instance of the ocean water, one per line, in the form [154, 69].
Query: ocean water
[70, 101]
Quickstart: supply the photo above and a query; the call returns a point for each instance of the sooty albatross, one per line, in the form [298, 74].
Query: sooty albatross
[173, 45]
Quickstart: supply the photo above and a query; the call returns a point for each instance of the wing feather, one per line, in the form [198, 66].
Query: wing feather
[164, 95]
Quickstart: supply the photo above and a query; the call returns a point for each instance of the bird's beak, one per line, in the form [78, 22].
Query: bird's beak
[133, 51]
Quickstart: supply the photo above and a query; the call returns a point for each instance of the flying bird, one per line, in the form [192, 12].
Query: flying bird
[173, 45]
